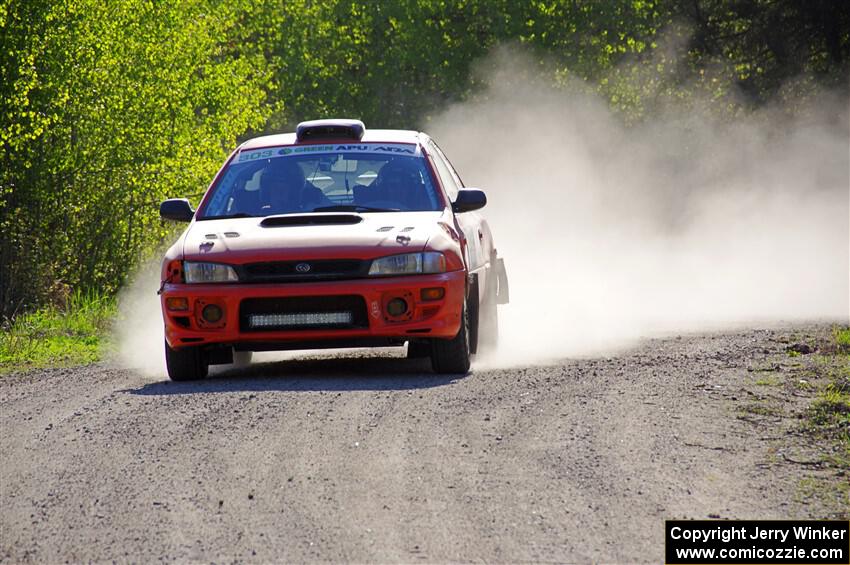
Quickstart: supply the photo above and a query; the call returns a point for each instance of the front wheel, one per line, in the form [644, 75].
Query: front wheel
[452, 355]
[187, 364]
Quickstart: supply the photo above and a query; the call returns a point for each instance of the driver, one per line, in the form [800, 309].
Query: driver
[283, 189]
[399, 182]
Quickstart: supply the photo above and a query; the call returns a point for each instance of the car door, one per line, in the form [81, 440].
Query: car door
[478, 246]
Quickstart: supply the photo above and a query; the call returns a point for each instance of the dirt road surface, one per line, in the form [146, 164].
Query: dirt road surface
[378, 460]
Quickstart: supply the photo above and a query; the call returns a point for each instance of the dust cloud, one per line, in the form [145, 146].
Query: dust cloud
[139, 327]
[683, 223]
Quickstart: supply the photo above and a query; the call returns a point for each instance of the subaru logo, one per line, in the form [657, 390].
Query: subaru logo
[303, 267]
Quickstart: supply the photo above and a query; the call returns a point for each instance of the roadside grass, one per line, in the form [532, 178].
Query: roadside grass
[832, 407]
[828, 416]
[769, 381]
[760, 409]
[842, 339]
[74, 335]
[805, 390]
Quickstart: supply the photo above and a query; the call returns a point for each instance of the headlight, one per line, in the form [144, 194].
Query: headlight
[208, 273]
[409, 264]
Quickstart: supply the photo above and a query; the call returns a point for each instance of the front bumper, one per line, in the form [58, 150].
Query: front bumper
[425, 318]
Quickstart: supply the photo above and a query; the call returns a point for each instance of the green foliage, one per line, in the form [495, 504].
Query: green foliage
[760, 45]
[394, 63]
[107, 108]
[74, 334]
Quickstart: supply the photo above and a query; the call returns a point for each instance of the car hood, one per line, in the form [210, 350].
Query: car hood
[297, 236]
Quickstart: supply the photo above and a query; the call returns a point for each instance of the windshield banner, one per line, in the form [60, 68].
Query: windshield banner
[408, 149]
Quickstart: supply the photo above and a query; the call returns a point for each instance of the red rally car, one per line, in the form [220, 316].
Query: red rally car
[334, 236]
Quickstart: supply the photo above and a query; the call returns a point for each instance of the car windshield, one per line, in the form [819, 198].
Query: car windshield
[365, 177]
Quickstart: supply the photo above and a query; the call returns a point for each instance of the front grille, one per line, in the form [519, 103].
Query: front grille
[302, 313]
[298, 271]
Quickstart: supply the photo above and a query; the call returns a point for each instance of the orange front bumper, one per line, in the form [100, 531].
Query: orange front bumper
[424, 319]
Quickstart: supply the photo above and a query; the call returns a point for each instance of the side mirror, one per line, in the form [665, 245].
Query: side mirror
[177, 209]
[469, 199]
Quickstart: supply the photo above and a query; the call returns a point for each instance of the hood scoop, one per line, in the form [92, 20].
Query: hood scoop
[310, 220]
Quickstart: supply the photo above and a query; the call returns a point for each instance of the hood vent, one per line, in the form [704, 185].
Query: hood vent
[311, 220]
[329, 129]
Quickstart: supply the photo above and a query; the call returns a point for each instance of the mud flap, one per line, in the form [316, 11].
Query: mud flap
[473, 306]
[503, 294]
[221, 355]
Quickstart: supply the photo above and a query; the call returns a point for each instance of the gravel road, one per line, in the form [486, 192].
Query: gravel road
[377, 460]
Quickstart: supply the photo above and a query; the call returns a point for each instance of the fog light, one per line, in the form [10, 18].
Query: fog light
[179, 304]
[432, 293]
[212, 313]
[396, 307]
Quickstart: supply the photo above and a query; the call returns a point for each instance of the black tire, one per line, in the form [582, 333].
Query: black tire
[452, 355]
[187, 364]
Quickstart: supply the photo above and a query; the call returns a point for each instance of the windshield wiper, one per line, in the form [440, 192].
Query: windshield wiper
[353, 208]
[229, 216]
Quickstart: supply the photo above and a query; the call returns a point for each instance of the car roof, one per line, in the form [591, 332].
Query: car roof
[369, 136]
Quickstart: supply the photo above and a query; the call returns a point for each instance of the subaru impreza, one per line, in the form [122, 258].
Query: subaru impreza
[334, 236]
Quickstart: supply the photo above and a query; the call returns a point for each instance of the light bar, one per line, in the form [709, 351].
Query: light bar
[299, 319]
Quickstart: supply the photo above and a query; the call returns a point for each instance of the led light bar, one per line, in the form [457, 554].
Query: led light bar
[299, 319]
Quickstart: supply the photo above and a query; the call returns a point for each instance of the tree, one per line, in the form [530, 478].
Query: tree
[107, 108]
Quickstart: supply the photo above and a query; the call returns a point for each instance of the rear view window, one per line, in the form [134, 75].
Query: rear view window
[283, 180]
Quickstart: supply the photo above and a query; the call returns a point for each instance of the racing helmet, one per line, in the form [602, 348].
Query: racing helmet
[400, 180]
[282, 185]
